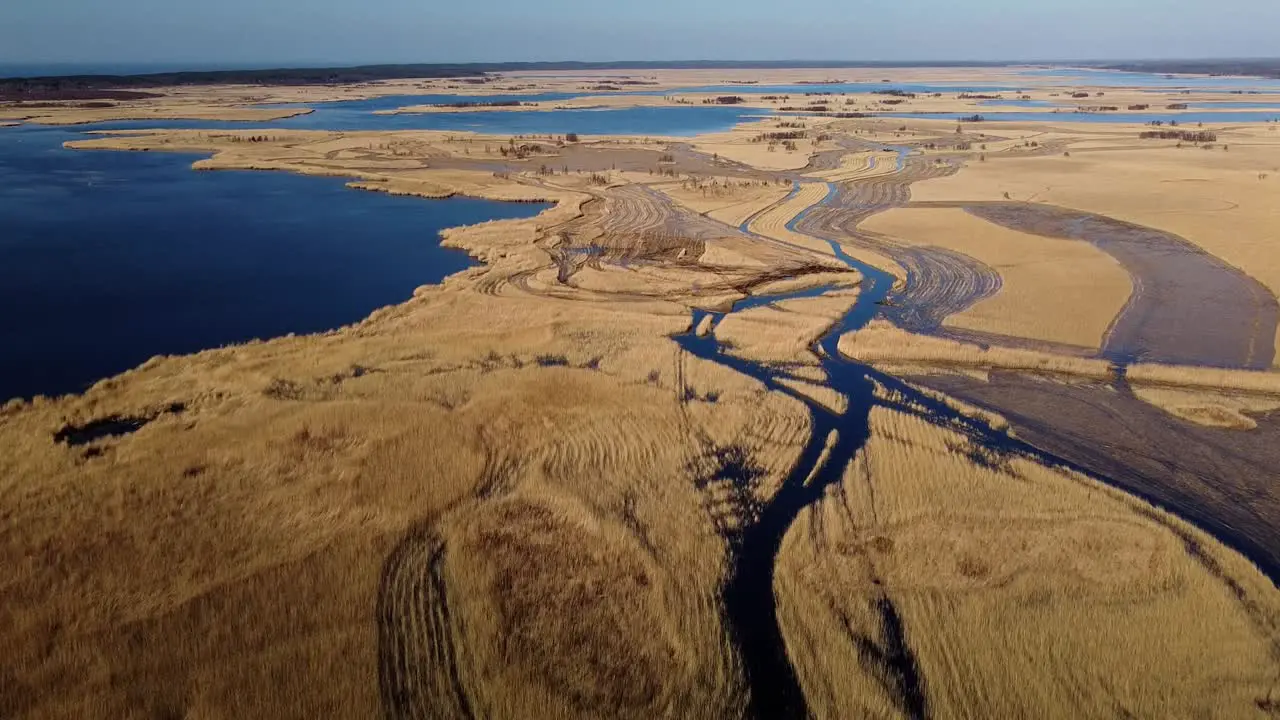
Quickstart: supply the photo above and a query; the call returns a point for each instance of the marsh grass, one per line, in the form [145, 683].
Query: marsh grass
[511, 497]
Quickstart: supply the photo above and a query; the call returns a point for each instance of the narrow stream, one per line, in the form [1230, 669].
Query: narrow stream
[750, 605]
[834, 441]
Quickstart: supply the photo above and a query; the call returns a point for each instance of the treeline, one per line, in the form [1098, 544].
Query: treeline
[780, 136]
[520, 152]
[278, 76]
[1194, 136]
[895, 92]
[496, 103]
[19, 92]
[1264, 67]
[91, 104]
[616, 84]
[724, 100]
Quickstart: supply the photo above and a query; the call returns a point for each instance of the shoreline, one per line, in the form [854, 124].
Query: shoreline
[665, 385]
[73, 118]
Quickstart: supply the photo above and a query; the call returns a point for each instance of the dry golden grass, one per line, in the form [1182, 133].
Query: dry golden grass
[500, 496]
[1214, 199]
[886, 346]
[228, 560]
[858, 166]
[838, 279]
[1023, 592]
[772, 223]
[1222, 409]
[1197, 378]
[1059, 291]
[783, 331]
[146, 110]
[233, 558]
[740, 145]
[729, 200]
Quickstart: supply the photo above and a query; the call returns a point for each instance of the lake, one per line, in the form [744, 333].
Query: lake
[1118, 78]
[109, 258]
[1182, 118]
[677, 120]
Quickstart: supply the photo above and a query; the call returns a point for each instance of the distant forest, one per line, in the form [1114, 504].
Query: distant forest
[85, 87]
[1264, 67]
[79, 87]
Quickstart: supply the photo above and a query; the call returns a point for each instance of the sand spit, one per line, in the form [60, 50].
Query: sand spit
[71, 115]
[527, 491]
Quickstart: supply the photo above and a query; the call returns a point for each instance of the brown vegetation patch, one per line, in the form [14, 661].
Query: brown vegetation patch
[569, 609]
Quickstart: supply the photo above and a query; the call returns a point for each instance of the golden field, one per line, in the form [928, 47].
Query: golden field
[523, 492]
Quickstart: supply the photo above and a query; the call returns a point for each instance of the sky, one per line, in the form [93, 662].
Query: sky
[241, 33]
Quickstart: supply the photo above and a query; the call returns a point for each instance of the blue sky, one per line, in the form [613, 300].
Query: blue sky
[256, 32]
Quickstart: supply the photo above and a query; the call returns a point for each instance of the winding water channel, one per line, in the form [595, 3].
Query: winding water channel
[836, 436]
[835, 439]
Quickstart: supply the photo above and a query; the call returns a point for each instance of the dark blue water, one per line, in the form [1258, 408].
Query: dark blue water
[678, 120]
[1213, 105]
[1117, 78]
[1014, 102]
[1239, 105]
[109, 258]
[1182, 118]
[354, 108]
[858, 88]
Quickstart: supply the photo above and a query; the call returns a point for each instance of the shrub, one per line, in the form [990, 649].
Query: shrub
[1195, 136]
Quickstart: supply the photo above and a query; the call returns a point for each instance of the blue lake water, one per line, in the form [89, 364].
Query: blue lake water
[1238, 105]
[858, 88]
[1182, 118]
[677, 120]
[108, 258]
[1116, 78]
[1216, 105]
[1015, 102]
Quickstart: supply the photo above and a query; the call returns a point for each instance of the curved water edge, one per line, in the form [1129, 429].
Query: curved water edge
[1132, 118]
[835, 439]
[748, 593]
[115, 257]
[1128, 78]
